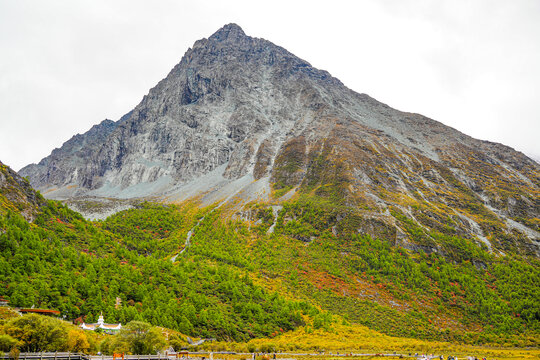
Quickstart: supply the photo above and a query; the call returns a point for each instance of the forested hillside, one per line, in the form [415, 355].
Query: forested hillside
[64, 262]
[236, 282]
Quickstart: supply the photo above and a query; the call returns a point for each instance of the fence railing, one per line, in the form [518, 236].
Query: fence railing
[183, 356]
[79, 356]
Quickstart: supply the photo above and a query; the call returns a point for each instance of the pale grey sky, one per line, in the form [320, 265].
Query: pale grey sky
[65, 65]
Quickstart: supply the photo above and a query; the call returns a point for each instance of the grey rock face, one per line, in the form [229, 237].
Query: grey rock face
[228, 95]
[66, 165]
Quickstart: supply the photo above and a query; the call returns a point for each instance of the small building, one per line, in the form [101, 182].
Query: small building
[40, 312]
[4, 301]
[107, 328]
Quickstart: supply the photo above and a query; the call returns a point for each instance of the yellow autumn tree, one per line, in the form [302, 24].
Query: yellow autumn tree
[78, 341]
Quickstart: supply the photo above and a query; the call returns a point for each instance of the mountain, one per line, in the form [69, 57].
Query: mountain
[312, 212]
[240, 118]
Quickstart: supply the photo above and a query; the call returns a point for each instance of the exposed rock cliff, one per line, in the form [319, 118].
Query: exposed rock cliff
[67, 164]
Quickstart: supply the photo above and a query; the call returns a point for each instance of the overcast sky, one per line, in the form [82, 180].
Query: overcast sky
[473, 65]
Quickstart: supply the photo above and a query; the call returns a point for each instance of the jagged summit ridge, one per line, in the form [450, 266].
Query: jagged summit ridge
[239, 116]
[229, 32]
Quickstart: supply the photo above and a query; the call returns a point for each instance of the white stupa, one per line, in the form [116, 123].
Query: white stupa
[108, 328]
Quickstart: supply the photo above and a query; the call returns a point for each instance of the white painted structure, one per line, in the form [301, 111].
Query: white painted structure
[108, 328]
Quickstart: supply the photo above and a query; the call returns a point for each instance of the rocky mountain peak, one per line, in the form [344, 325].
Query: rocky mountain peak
[229, 32]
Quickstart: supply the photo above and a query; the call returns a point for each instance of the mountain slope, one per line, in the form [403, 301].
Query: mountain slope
[242, 118]
[239, 280]
[17, 195]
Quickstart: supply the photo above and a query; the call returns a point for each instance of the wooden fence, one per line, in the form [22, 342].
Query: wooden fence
[79, 356]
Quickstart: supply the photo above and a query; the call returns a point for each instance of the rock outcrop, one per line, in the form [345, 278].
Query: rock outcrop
[17, 195]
